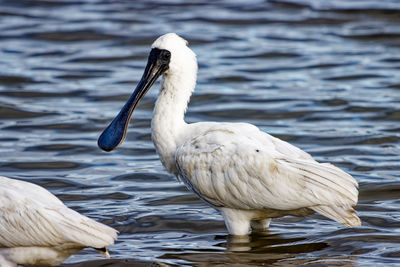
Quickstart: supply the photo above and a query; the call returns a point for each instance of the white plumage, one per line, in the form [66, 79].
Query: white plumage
[36, 228]
[246, 174]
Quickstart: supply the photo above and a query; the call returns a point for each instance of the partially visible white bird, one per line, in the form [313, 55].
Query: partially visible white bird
[246, 174]
[37, 229]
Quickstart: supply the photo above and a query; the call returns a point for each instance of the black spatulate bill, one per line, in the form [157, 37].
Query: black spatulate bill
[114, 134]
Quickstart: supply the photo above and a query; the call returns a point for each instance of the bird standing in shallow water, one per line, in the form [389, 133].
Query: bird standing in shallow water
[37, 229]
[248, 175]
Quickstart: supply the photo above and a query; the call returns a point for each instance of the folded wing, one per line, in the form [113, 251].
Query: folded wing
[244, 168]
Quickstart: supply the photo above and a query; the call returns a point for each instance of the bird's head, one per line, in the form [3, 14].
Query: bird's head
[169, 56]
[182, 58]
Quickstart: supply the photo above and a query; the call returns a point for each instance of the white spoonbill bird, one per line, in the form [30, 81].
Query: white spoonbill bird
[246, 174]
[37, 229]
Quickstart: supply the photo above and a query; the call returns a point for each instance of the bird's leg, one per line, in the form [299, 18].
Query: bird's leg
[237, 221]
[260, 225]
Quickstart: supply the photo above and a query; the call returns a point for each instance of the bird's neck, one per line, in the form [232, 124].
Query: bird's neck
[168, 124]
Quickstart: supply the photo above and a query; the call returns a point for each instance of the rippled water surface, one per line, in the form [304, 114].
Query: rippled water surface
[323, 75]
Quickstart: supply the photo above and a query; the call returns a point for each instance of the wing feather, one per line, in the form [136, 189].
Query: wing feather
[243, 168]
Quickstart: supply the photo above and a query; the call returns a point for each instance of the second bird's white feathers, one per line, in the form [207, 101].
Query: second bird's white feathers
[36, 228]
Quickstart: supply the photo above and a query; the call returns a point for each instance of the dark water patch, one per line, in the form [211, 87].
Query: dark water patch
[16, 13]
[364, 109]
[266, 55]
[114, 263]
[42, 165]
[270, 69]
[154, 224]
[54, 53]
[335, 152]
[13, 80]
[91, 71]
[147, 177]
[231, 21]
[228, 79]
[12, 51]
[255, 114]
[36, 94]
[106, 59]
[43, 3]
[59, 127]
[116, 97]
[330, 140]
[127, 20]
[278, 37]
[346, 77]
[140, 136]
[63, 184]
[58, 183]
[9, 139]
[393, 130]
[393, 114]
[175, 200]
[292, 248]
[368, 7]
[380, 140]
[17, 113]
[205, 98]
[381, 191]
[379, 222]
[325, 21]
[394, 254]
[373, 36]
[80, 197]
[325, 65]
[290, 5]
[394, 86]
[393, 59]
[334, 102]
[239, 255]
[51, 69]
[363, 168]
[83, 35]
[371, 238]
[62, 149]
[288, 138]
[135, 41]
[127, 82]
[146, 188]
[78, 76]
[137, 152]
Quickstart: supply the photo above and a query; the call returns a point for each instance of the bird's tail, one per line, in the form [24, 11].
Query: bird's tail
[345, 215]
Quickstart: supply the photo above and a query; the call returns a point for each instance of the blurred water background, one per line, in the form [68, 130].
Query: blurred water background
[323, 75]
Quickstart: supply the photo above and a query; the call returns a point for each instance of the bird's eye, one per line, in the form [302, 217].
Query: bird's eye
[166, 55]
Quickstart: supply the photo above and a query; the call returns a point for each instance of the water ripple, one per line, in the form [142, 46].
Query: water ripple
[323, 75]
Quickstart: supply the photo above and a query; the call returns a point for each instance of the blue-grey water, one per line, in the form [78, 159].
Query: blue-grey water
[323, 75]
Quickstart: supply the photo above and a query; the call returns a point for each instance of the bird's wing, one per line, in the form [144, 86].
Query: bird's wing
[31, 216]
[238, 166]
